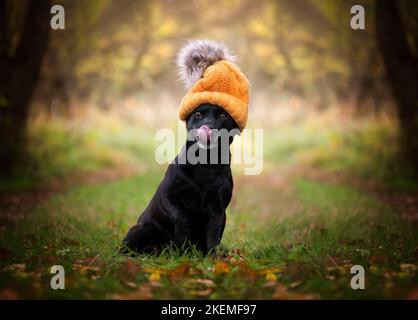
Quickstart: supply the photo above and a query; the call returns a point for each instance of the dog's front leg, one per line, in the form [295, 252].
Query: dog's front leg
[178, 218]
[181, 231]
[214, 230]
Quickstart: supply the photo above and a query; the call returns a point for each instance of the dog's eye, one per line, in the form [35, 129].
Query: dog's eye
[198, 115]
[223, 116]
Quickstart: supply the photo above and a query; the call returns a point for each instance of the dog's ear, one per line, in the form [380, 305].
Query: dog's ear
[196, 56]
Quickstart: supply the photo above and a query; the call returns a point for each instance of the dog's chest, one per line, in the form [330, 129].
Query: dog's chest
[201, 199]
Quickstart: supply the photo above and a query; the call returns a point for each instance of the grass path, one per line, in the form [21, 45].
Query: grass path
[289, 234]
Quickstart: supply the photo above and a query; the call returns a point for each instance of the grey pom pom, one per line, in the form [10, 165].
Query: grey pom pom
[196, 56]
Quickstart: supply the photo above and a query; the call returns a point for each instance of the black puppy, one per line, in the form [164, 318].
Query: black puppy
[189, 204]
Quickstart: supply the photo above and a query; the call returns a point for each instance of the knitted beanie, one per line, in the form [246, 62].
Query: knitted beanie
[209, 72]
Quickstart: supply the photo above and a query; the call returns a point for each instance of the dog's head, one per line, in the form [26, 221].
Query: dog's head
[209, 124]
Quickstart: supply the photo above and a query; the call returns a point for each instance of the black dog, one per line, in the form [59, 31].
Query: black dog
[189, 204]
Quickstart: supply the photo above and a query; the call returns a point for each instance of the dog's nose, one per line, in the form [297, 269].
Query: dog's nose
[204, 133]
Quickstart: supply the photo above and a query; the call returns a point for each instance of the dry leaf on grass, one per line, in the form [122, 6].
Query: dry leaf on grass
[205, 282]
[408, 267]
[15, 267]
[94, 261]
[129, 270]
[49, 260]
[297, 271]
[281, 293]
[246, 272]
[155, 275]
[379, 260]
[413, 294]
[129, 284]
[221, 267]
[270, 275]
[8, 294]
[179, 272]
[142, 293]
[83, 269]
[295, 284]
[201, 293]
[238, 252]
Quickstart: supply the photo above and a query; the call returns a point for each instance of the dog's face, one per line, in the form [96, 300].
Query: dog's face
[208, 123]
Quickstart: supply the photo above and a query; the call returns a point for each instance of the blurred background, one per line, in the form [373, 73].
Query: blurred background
[93, 95]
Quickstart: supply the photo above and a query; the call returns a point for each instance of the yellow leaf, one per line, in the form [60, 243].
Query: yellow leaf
[179, 272]
[155, 276]
[221, 267]
[270, 276]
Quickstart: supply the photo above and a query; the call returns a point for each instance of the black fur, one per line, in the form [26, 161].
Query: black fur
[190, 202]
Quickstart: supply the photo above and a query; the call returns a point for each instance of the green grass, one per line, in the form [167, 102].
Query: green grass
[310, 251]
[58, 148]
[286, 236]
[366, 148]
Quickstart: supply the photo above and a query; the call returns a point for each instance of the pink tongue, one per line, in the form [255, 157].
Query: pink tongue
[204, 133]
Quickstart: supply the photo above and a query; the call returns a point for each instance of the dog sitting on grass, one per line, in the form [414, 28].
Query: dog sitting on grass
[189, 205]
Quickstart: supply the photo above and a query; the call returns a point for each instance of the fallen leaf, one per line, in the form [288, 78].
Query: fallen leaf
[111, 224]
[179, 272]
[379, 260]
[15, 267]
[246, 272]
[94, 261]
[282, 293]
[201, 293]
[413, 294]
[408, 267]
[155, 276]
[238, 252]
[49, 260]
[129, 270]
[221, 267]
[129, 284]
[270, 270]
[331, 261]
[296, 271]
[295, 284]
[403, 274]
[235, 260]
[142, 293]
[205, 282]
[8, 294]
[271, 276]
[83, 267]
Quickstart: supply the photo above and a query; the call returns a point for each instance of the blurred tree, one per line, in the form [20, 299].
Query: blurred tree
[402, 70]
[309, 51]
[24, 34]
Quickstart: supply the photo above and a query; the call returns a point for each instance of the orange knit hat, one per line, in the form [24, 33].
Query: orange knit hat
[208, 70]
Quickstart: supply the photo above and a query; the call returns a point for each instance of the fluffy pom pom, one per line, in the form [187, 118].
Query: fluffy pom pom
[196, 56]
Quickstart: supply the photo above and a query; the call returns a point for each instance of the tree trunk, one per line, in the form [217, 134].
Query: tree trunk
[402, 71]
[19, 72]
